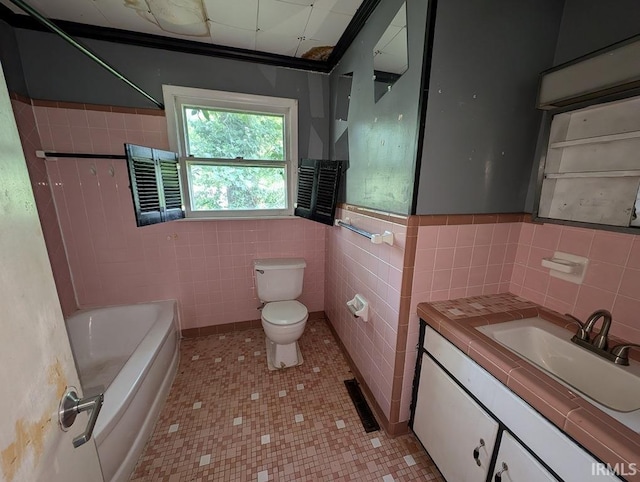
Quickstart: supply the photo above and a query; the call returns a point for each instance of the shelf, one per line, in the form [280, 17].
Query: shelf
[596, 140]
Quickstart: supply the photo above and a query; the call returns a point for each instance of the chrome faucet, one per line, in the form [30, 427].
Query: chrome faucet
[600, 341]
[621, 353]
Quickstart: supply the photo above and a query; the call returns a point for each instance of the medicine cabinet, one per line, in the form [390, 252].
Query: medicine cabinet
[591, 171]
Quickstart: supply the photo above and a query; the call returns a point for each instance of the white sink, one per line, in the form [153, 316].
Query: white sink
[615, 389]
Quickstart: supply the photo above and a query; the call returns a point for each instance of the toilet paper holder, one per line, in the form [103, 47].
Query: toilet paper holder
[359, 307]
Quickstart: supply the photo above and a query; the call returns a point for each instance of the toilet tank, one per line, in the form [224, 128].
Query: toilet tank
[279, 279]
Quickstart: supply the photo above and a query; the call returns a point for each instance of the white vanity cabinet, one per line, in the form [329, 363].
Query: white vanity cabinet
[458, 434]
[457, 402]
[516, 464]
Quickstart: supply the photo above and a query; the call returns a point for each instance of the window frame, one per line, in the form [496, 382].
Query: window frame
[175, 97]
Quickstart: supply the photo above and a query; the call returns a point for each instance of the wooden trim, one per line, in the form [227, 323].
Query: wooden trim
[19, 97]
[437, 219]
[457, 219]
[384, 216]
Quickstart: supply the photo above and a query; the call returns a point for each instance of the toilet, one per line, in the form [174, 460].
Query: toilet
[278, 284]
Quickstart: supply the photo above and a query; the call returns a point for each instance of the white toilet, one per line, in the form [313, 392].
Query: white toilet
[278, 284]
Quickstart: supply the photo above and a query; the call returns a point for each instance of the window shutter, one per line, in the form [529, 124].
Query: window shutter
[306, 178]
[318, 185]
[155, 184]
[170, 179]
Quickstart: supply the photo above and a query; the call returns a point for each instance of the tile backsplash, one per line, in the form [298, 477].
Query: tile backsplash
[612, 279]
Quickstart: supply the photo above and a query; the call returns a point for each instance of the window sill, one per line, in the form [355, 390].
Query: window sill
[239, 218]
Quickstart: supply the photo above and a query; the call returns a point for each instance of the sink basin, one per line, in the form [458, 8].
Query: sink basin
[549, 347]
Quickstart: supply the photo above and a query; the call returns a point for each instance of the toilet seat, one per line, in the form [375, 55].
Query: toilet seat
[284, 312]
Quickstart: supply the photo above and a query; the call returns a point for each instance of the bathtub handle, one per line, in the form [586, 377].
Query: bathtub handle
[71, 406]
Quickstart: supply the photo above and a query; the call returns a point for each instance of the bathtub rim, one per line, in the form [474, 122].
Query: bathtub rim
[110, 415]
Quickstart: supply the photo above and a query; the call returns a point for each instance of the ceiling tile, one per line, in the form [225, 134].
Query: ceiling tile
[306, 3]
[233, 37]
[286, 19]
[276, 43]
[79, 11]
[326, 26]
[348, 7]
[239, 14]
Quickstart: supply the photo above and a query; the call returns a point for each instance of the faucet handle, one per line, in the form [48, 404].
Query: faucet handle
[621, 353]
[582, 333]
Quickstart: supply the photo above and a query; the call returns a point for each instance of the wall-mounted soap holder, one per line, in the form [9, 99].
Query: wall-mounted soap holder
[568, 267]
[359, 307]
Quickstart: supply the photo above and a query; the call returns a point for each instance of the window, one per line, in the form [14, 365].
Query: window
[238, 152]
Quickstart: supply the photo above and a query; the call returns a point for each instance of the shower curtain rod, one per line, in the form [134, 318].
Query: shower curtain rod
[52, 26]
[78, 155]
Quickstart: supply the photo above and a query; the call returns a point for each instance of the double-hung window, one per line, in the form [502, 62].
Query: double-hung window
[238, 152]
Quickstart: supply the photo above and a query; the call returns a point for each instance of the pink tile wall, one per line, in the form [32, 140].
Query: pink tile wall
[205, 265]
[30, 139]
[457, 262]
[612, 279]
[355, 265]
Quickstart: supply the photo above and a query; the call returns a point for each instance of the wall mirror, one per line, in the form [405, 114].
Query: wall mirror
[390, 57]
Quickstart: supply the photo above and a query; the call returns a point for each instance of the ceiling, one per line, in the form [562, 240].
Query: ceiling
[289, 28]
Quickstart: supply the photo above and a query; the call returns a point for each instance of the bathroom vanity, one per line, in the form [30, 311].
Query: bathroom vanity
[484, 413]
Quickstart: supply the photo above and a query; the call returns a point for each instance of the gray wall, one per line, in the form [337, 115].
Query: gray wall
[589, 25]
[482, 124]
[382, 136]
[56, 71]
[10, 60]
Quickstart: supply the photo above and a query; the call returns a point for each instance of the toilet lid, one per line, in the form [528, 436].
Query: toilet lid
[284, 312]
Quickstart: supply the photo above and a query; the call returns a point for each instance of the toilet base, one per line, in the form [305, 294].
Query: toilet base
[283, 356]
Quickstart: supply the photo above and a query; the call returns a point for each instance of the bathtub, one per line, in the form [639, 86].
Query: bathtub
[130, 353]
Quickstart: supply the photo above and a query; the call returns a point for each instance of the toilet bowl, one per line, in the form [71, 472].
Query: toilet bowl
[278, 284]
[283, 323]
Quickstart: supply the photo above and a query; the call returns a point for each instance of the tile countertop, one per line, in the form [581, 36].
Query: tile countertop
[596, 431]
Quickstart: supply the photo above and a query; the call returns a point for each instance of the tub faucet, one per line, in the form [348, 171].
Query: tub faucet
[601, 340]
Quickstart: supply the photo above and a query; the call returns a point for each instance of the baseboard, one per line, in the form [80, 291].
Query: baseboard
[233, 327]
[391, 429]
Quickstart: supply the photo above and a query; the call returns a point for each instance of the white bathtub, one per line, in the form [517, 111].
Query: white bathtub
[131, 353]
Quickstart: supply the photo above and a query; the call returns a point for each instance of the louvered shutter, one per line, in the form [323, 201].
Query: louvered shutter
[318, 185]
[306, 181]
[155, 184]
[170, 179]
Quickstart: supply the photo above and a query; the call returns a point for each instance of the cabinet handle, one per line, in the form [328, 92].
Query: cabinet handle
[498, 477]
[476, 452]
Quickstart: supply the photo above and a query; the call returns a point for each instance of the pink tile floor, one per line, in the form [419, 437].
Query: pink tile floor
[228, 418]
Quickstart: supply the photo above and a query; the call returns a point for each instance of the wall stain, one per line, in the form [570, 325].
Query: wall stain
[57, 378]
[30, 435]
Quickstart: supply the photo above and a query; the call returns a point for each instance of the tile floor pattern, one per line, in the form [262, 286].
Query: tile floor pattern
[229, 418]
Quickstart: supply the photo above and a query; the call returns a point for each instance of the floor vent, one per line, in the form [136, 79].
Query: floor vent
[362, 407]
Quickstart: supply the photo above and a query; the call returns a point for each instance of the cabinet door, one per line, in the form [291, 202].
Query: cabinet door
[516, 464]
[451, 425]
